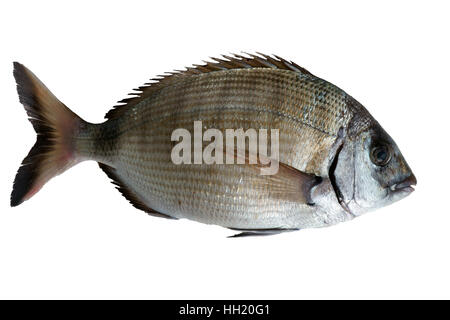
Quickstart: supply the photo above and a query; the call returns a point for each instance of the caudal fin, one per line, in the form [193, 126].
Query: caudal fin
[56, 127]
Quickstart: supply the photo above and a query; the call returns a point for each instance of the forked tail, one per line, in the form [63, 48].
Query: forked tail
[56, 127]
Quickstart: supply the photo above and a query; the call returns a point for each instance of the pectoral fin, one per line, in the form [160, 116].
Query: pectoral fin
[287, 183]
[291, 184]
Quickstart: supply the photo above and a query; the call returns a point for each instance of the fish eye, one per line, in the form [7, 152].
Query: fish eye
[380, 155]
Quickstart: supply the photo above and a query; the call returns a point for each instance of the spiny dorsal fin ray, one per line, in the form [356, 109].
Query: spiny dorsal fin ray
[235, 61]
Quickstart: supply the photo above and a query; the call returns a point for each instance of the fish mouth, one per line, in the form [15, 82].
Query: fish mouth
[405, 185]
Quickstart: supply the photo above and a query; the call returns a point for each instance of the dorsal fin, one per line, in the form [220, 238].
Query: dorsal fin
[235, 61]
[128, 194]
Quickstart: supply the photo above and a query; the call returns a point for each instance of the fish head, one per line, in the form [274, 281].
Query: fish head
[371, 172]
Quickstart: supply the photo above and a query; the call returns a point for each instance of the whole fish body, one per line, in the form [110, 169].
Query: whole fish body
[336, 162]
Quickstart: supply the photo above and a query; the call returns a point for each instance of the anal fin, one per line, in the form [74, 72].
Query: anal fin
[259, 232]
[129, 195]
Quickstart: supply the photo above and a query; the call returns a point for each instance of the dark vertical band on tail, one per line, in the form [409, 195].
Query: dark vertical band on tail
[56, 127]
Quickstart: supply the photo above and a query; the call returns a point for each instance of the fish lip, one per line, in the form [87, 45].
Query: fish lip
[407, 189]
[405, 185]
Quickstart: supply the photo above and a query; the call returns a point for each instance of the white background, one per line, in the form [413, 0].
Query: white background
[79, 238]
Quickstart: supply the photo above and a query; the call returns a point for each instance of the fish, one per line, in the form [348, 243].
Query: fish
[334, 161]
